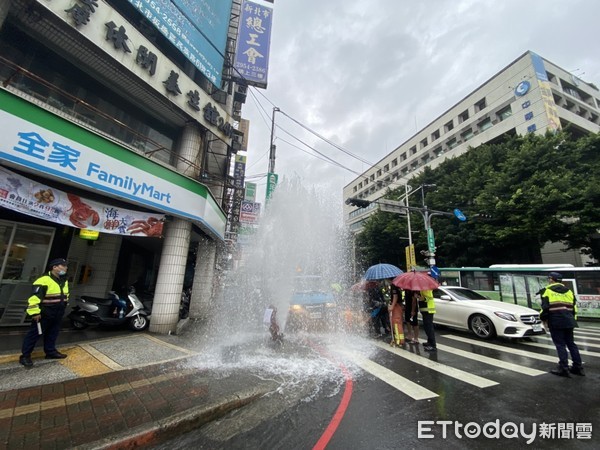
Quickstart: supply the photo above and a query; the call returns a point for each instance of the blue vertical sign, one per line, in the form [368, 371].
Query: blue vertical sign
[251, 60]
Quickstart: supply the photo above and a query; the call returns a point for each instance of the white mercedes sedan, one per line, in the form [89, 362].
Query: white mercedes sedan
[463, 308]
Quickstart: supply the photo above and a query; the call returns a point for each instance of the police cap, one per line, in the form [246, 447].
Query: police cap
[57, 262]
[555, 276]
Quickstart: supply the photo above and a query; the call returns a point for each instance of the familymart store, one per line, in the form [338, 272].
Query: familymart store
[60, 183]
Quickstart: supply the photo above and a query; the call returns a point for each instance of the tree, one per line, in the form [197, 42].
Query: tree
[534, 189]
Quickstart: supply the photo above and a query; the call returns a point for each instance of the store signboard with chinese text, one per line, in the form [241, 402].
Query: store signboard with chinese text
[36, 140]
[35, 199]
[251, 62]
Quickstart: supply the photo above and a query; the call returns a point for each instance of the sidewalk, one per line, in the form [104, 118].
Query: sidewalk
[92, 400]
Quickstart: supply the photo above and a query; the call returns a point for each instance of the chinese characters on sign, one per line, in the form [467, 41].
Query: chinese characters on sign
[197, 29]
[251, 62]
[38, 200]
[81, 14]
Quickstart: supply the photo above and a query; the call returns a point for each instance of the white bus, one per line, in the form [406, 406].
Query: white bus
[520, 283]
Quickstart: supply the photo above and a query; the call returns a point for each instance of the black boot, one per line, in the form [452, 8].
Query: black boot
[26, 360]
[561, 372]
[577, 370]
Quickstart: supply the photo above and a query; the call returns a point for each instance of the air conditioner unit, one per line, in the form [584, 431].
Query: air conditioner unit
[219, 96]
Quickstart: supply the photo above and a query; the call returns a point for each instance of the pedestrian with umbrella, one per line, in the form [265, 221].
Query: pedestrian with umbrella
[424, 283]
[379, 315]
[395, 310]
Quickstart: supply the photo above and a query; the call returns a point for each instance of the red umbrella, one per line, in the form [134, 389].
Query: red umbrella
[364, 285]
[415, 281]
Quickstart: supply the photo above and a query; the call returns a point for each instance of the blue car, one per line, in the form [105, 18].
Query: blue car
[312, 305]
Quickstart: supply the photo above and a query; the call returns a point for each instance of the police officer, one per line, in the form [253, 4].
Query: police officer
[427, 308]
[559, 310]
[46, 308]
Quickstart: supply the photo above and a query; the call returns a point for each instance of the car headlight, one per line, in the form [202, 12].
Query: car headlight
[505, 316]
[330, 305]
[296, 307]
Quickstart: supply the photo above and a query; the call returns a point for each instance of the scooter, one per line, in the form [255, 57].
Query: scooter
[111, 311]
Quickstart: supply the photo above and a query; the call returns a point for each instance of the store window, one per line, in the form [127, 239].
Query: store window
[24, 253]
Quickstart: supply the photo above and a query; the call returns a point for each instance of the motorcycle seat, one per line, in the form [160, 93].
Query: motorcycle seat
[98, 300]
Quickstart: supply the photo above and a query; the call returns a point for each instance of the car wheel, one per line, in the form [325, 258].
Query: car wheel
[482, 327]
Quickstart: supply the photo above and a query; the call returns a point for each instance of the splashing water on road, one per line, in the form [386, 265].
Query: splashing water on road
[300, 234]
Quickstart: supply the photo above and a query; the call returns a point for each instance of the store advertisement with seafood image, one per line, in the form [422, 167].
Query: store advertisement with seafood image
[34, 199]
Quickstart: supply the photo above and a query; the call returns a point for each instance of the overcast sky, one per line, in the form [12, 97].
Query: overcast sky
[368, 74]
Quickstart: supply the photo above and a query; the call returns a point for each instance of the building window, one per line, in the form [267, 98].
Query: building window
[484, 124]
[424, 143]
[366, 181]
[435, 135]
[504, 113]
[413, 150]
[354, 189]
[403, 157]
[449, 126]
[438, 151]
[466, 135]
[425, 158]
[394, 162]
[372, 177]
[551, 77]
[360, 185]
[463, 117]
[572, 92]
[386, 168]
[452, 143]
[378, 173]
[480, 105]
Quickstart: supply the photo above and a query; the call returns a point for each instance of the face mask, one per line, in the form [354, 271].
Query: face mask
[62, 273]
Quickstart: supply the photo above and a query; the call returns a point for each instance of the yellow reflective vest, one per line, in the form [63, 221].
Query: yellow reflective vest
[47, 290]
[428, 305]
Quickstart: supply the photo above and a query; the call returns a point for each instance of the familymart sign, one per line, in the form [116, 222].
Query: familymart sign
[36, 140]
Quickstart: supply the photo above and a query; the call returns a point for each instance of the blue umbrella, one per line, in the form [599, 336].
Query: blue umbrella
[382, 271]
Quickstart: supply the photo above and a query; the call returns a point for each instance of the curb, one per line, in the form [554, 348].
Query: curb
[170, 427]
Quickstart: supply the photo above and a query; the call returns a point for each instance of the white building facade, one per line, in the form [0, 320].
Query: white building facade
[530, 95]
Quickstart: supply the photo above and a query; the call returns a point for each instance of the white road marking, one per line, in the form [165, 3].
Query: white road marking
[398, 382]
[578, 340]
[551, 346]
[500, 348]
[492, 361]
[460, 375]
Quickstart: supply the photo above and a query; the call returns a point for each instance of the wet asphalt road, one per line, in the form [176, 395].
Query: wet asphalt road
[487, 387]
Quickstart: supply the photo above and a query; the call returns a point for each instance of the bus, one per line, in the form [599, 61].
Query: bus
[520, 283]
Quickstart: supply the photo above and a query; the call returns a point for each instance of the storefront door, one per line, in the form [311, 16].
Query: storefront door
[24, 252]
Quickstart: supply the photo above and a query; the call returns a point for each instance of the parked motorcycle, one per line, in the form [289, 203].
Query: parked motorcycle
[110, 311]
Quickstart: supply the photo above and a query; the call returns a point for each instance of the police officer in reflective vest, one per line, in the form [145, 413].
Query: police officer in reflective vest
[559, 310]
[427, 308]
[46, 307]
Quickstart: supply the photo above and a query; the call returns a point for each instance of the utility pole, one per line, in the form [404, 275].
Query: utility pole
[272, 148]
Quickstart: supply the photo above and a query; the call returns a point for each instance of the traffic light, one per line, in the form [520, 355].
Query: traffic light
[358, 202]
[484, 216]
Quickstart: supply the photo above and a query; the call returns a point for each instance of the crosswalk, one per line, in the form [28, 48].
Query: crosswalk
[491, 359]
